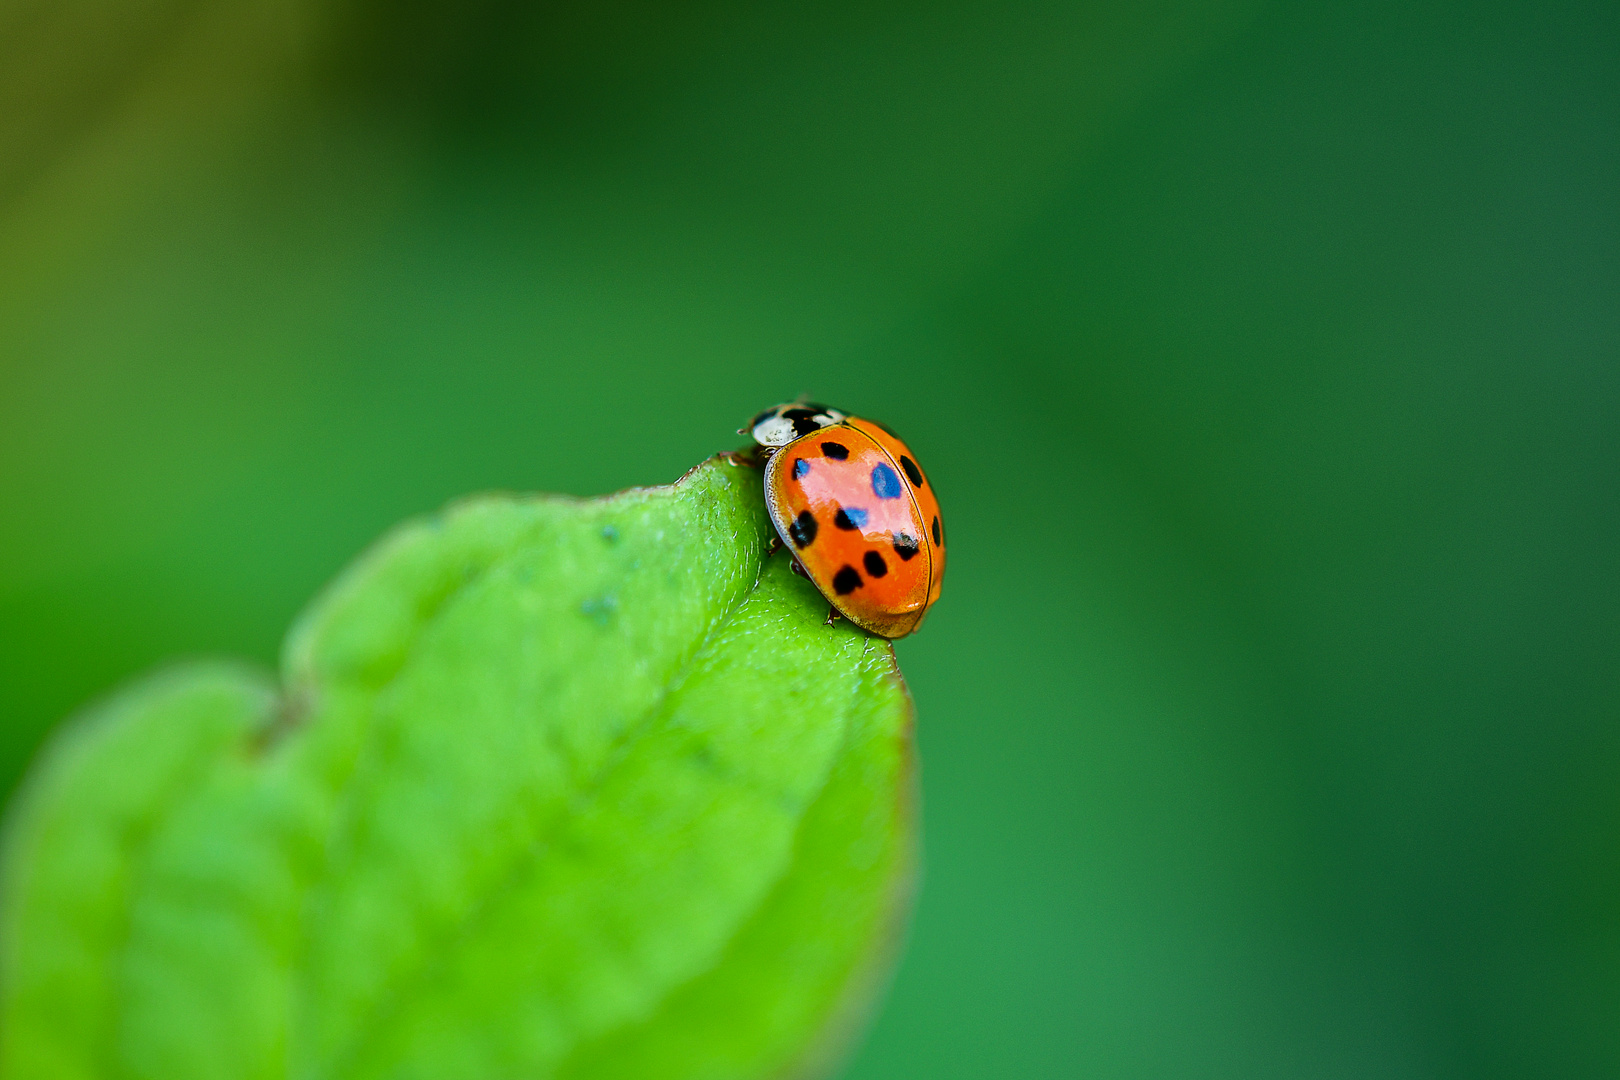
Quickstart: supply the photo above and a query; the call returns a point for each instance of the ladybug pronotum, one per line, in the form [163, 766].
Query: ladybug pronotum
[850, 502]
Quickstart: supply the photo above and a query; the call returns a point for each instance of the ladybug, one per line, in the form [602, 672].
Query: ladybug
[849, 500]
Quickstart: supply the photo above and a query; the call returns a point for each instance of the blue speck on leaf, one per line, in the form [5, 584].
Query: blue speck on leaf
[600, 609]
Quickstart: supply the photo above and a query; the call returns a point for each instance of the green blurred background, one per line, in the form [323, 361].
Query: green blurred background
[1267, 357]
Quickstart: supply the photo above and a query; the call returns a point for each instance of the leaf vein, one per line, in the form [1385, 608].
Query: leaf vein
[442, 946]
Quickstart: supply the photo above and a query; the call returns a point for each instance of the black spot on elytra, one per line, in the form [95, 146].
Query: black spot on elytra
[801, 468]
[885, 482]
[803, 529]
[905, 546]
[913, 473]
[875, 566]
[846, 581]
[835, 450]
[850, 518]
[938, 542]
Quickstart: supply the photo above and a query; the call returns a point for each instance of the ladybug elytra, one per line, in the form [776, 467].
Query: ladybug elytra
[851, 504]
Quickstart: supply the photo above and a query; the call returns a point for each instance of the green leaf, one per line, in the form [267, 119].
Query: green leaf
[551, 787]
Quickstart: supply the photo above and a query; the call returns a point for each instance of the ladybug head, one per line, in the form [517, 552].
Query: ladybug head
[781, 424]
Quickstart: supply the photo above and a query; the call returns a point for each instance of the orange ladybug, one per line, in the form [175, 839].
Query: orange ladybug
[849, 500]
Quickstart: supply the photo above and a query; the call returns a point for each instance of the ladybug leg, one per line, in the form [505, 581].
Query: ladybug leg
[774, 546]
[798, 568]
[832, 615]
[746, 457]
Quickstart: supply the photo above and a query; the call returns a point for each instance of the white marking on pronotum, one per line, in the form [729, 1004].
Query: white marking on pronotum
[774, 431]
